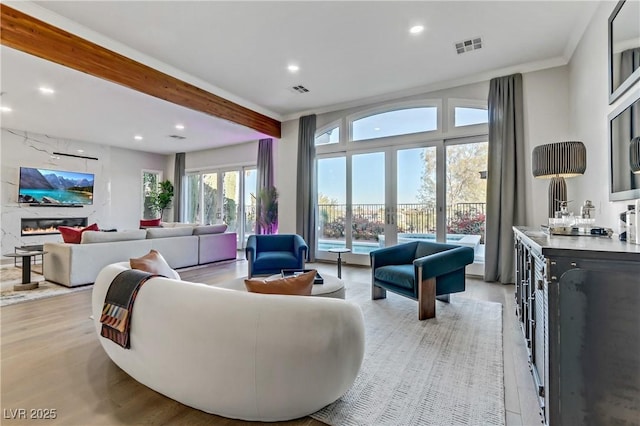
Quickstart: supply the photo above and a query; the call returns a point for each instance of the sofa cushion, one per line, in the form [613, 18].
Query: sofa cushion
[209, 229]
[154, 263]
[299, 285]
[90, 237]
[400, 275]
[266, 260]
[181, 231]
[74, 235]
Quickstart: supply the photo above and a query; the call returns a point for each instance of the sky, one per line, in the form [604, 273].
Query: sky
[368, 177]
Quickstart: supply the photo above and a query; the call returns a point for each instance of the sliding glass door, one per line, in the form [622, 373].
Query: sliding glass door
[369, 214]
[466, 195]
[332, 204]
[433, 192]
[352, 205]
[223, 196]
[416, 194]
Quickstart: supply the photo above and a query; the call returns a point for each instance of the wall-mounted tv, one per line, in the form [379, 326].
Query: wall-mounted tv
[55, 187]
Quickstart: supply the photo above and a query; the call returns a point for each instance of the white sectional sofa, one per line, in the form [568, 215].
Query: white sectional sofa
[237, 354]
[182, 246]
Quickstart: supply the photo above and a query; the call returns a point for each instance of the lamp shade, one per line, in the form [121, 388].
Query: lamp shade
[634, 154]
[560, 159]
[557, 161]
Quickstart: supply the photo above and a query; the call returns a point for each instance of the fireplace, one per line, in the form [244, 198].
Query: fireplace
[46, 226]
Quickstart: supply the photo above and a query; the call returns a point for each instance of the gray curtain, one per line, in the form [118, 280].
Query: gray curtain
[178, 174]
[264, 175]
[506, 176]
[306, 200]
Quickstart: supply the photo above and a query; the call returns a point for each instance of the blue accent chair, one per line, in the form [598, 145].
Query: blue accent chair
[421, 271]
[270, 254]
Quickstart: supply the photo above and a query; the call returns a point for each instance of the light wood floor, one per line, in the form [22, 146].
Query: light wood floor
[51, 359]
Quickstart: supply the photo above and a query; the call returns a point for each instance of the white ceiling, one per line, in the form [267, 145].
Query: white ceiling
[348, 52]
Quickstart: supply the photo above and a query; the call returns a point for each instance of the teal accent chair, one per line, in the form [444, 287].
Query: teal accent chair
[421, 271]
[270, 254]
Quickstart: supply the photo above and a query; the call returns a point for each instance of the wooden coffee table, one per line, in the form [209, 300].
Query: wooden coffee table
[26, 268]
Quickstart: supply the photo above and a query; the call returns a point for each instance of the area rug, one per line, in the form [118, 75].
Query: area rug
[10, 275]
[442, 371]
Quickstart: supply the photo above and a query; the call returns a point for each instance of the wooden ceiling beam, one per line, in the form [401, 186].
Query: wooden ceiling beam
[30, 35]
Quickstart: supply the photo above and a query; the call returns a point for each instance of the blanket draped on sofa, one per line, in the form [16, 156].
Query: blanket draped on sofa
[118, 305]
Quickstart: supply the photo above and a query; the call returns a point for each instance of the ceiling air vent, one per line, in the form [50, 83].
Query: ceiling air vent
[469, 45]
[299, 89]
[178, 137]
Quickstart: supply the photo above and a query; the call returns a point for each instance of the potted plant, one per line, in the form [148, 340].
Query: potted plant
[160, 198]
[268, 210]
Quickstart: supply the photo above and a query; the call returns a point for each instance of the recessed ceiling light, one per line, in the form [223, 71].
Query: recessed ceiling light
[377, 129]
[180, 126]
[80, 150]
[138, 137]
[416, 29]
[293, 68]
[47, 90]
[5, 109]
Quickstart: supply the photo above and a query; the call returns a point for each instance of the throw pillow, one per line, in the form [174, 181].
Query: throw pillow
[149, 222]
[74, 235]
[299, 285]
[153, 263]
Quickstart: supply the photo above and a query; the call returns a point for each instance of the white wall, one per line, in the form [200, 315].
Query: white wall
[588, 111]
[546, 106]
[117, 186]
[245, 154]
[286, 162]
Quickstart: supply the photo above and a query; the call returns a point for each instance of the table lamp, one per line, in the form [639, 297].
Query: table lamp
[557, 161]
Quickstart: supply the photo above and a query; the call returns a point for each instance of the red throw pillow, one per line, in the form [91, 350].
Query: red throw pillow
[150, 222]
[74, 235]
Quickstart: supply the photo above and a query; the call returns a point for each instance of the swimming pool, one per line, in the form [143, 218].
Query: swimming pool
[361, 247]
[357, 247]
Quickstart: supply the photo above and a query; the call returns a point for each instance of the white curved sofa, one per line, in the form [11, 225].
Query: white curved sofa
[237, 354]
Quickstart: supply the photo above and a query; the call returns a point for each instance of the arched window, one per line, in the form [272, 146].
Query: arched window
[328, 137]
[394, 123]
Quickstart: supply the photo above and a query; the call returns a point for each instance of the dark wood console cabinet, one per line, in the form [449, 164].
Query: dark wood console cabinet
[578, 303]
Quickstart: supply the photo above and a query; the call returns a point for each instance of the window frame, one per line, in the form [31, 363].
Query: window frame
[335, 124]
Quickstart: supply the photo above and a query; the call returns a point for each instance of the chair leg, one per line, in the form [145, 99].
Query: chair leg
[427, 299]
[378, 292]
[444, 298]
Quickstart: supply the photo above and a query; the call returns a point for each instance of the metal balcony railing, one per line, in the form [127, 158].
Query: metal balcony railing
[367, 220]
